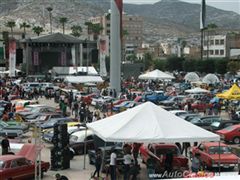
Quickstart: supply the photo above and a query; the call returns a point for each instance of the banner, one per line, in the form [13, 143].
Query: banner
[203, 15]
[12, 58]
[36, 58]
[104, 51]
[63, 58]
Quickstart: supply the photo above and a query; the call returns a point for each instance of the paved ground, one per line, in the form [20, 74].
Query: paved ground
[77, 171]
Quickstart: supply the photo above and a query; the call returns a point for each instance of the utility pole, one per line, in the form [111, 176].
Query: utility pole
[38, 144]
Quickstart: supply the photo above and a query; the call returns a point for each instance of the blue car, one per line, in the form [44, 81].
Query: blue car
[155, 96]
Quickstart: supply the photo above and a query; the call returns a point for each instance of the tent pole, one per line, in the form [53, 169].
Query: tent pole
[85, 147]
[219, 167]
[103, 158]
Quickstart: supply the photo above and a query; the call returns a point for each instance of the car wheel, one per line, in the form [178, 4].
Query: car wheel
[236, 140]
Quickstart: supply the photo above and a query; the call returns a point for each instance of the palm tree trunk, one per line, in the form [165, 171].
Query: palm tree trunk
[12, 31]
[63, 28]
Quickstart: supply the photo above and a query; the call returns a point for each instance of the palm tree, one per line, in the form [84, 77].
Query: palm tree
[11, 25]
[37, 30]
[24, 25]
[49, 9]
[89, 25]
[63, 21]
[76, 30]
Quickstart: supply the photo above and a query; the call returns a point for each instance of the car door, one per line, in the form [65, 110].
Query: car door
[22, 169]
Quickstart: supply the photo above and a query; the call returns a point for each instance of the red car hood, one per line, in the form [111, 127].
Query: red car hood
[225, 157]
[222, 131]
[28, 151]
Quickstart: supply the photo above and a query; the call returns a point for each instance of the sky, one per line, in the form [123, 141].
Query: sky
[230, 5]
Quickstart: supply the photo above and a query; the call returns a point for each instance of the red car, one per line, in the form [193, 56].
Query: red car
[209, 155]
[21, 166]
[88, 98]
[159, 151]
[199, 106]
[230, 134]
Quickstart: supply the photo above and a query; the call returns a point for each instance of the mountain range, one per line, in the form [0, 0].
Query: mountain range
[165, 18]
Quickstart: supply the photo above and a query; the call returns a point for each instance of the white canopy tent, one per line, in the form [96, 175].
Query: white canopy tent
[156, 75]
[210, 79]
[197, 90]
[149, 123]
[83, 79]
[191, 77]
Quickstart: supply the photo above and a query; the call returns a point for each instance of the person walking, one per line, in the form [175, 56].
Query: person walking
[98, 163]
[113, 164]
[5, 145]
[127, 164]
[196, 163]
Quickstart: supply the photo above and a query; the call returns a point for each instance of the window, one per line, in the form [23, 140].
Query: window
[216, 52]
[205, 43]
[211, 52]
[222, 41]
[212, 42]
[221, 52]
[217, 42]
[205, 52]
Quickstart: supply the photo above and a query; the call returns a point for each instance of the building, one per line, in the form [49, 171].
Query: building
[221, 46]
[132, 29]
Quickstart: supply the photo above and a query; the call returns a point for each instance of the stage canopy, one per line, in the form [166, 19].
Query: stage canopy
[156, 75]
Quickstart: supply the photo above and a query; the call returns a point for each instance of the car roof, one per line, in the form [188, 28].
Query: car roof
[10, 157]
[209, 144]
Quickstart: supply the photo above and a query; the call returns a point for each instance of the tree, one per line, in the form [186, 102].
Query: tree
[221, 66]
[132, 58]
[37, 30]
[49, 9]
[174, 63]
[148, 60]
[160, 64]
[189, 65]
[76, 30]
[233, 66]
[23, 26]
[63, 21]
[11, 25]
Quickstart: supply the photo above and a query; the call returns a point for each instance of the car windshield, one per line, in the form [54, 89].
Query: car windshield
[1, 164]
[219, 150]
[164, 151]
[215, 124]
[41, 118]
[229, 128]
[195, 120]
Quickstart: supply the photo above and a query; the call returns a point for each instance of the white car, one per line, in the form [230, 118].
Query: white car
[101, 100]
[178, 112]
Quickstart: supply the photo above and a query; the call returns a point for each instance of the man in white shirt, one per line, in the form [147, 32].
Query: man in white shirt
[127, 165]
[113, 163]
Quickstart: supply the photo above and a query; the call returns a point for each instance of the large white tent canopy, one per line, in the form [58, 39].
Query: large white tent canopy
[149, 123]
[191, 77]
[156, 75]
[83, 79]
[197, 90]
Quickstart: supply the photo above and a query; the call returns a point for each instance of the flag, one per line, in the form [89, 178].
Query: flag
[35, 58]
[203, 15]
[12, 57]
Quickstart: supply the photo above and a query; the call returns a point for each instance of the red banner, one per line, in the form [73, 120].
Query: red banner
[35, 58]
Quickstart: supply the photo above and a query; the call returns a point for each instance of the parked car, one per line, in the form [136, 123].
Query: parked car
[78, 139]
[13, 125]
[154, 97]
[172, 100]
[188, 117]
[199, 106]
[178, 112]
[21, 165]
[43, 117]
[205, 121]
[230, 134]
[52, 122]
[99, 101]
[210, 153]
[11, 133]
[34, 109]
[158, 151]
[218, 125]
